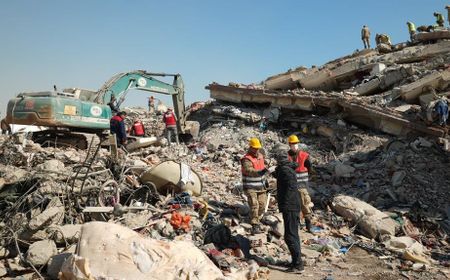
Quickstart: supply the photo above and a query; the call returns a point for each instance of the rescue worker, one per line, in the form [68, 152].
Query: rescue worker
[302, 172]
[411, 29]
[137, 129]
[365, 36]
[117, 127]
[6, 128]
[289, 204]
[448, 13]
[151, 105]
[112, 104]
[171, 125]
[254, 182]
[439, 19]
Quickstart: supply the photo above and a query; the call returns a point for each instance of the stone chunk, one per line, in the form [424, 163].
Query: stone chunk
[40, 252]
[371, 222]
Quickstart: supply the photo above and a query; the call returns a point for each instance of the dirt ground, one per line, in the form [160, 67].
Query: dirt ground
[358, 264]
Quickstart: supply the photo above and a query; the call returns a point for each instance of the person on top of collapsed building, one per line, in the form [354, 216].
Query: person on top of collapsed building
[254, 182]
[411, 30]
[439, 19]
[289, 204]
[365, 36]
[117, 127]
[295, 154]
[448, 13]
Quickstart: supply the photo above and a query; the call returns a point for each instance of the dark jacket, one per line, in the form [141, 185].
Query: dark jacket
[117, 126]
[287, 191]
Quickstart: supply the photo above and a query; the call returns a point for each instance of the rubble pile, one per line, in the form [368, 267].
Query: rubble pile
[398, 93]
[379, 183]
[51, 194]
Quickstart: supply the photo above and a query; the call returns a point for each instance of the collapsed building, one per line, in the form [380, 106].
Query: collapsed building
[394, 92]
[380, 190]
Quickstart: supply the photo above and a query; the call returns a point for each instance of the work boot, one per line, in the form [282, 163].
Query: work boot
[296, 268]
[308, 225]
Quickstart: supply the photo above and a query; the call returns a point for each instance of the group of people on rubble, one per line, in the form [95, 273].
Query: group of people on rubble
[385, 39]
[118, 127]
[292, 175]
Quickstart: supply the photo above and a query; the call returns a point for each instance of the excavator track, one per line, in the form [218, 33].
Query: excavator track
[60, 138]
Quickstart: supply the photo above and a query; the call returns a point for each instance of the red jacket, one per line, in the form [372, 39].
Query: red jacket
[137, 129]
[169, 119]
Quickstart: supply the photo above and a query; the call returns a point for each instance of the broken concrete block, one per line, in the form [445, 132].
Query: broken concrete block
[369, 87]
[377, 69]
[53, 215]
[40, 252]
[55, 263]
[426, 99]
[52, 167]
[325, 131]
[66, 233]
[413, 90]
[371, 222]
[343, 170]
[397, 178]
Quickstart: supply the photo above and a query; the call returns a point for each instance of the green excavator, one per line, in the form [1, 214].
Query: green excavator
[70, 117]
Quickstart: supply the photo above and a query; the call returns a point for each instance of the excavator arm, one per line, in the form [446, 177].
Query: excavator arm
[119, 85]
[87, 111]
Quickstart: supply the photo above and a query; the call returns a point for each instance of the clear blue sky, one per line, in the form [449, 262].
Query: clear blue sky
[83, 43]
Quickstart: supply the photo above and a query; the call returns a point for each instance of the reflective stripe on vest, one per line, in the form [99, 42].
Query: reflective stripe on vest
[249, 182]
[301, 171]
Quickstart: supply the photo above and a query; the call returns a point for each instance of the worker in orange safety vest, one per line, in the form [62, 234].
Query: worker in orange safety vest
[302, 172]
[254, 182]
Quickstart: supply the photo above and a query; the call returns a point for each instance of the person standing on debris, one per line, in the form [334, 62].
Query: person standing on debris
[254, 182]
[302, 175]
[112, 104]
[448, 13]
[117, 127]
[411, 29]
[6, 128]
[151, 105]
[289, 204]
[365, 36]
[439, 19]
[171, 125]
[137, 129]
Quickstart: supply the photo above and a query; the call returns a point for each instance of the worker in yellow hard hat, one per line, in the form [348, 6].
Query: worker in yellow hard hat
[295, 154]
[254, 182]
